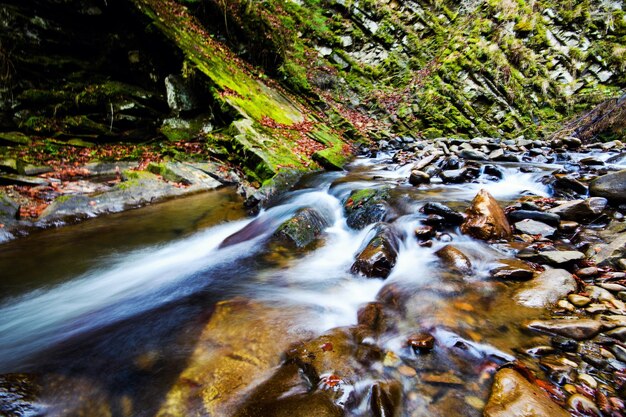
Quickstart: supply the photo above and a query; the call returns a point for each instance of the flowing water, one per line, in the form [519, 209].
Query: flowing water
[84, 302]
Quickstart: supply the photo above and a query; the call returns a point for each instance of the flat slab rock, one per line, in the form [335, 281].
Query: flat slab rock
[533, 227]
[547, 288]
[580, 329]
[514, 396]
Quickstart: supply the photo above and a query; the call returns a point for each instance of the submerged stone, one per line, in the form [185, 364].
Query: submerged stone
[548, 287]
[454, 259]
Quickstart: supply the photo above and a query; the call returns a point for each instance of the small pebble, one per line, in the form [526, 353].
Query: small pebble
[566, 305]
[591, 271]
[578, 402]
[407, 371]
[596, 308]
[588, 380]
[578, 300]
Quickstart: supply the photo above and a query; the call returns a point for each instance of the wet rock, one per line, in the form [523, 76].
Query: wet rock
[580, 404]
[534, 228]
[513, 396]
[578, 329]
[588, 272]
[566, 182]
[580, 210]
[540, 216]
[15, 179]
[287, 394]
[547, 288]
[424, 232]
[421, 342]
[486, 219]
[611, 253]
[513, 270]
[598, 293]
[454, 259]
[303, 228]
[19, 395]
[364, 207]
[451, 217]
[560, 257]
[386, 399]
[618, 333]
[578, 300]
[372, 316]
[454, 176]
[567, 226]
[493, 171]
[242, 342]
[418, 178]
[379, 255]
[611, 186]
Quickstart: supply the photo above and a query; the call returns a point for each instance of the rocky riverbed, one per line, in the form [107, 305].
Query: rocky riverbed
[441, 277]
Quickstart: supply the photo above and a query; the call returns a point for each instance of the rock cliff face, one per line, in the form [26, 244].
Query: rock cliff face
[278, 84]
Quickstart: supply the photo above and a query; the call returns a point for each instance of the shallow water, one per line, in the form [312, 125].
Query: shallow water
[86, 301]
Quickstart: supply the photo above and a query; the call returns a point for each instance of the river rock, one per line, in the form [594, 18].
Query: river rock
[287, 393]
[566, 182]
[454, 176]
[512, 270]
[379, 255]
[303, 228]
[473, 155]
[513, 396]
[386, 399]
[242, 341]
[611, 186]
[534, 228]
[578, 329]
[180, 97]
[560, 257]
[540, 216]
[611, 253]
[454, 259]
[547, 288]
[418, 178]
[486, 219]
[451, 217]
[580, 210]
[364, 207]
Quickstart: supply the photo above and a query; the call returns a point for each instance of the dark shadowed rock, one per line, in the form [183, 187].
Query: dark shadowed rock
[454, 259]
[513, 396]
[486, 219]
[303, 228]
[379, 255]
[364, 207]
[611, 186]
[451, 217]
[540, 216]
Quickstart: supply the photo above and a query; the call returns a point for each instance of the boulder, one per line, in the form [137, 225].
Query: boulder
[486, 219]
[451, 217]
[513, 396]
[364, 207]
[379, 255]
[580, 210]
[454, 259]
[302, 229]
[548, 287]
